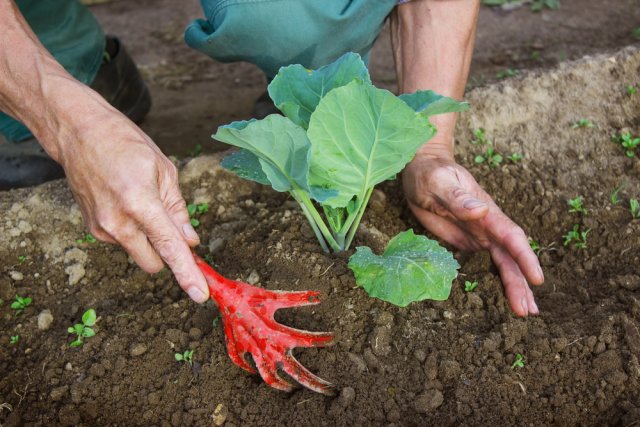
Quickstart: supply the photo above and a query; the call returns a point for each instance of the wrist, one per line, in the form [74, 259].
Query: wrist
[441, 145]
[436, 149]
[70, 110]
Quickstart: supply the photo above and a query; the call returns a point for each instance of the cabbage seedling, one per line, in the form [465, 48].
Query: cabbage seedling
[14, 339]
[339, 137]
[83, 330]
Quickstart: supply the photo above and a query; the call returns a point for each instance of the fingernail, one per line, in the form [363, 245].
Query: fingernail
[197, 295]
[525, 306]
[534, 308]
[540, 273]
[189, 232]
[473, 204]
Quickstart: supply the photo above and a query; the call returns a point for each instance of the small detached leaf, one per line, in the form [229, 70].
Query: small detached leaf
[412, 268]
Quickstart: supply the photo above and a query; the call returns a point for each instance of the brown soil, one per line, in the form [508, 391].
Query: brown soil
[431, 363]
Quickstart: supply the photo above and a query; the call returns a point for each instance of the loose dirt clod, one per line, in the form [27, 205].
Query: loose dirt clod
[45, 319]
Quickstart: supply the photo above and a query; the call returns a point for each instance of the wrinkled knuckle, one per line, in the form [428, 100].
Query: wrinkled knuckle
[107, 222]
[168, 249]
[130, 204]
[177, 205]
[459, 193]
[516, 233]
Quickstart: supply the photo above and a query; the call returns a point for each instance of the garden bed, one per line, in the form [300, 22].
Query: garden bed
[432, 363]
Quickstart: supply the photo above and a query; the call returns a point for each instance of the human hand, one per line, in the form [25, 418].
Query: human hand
[448, 202]
[128, 194]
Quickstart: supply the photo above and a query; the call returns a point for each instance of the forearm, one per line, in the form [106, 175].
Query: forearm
[433, 45]
[35, 89]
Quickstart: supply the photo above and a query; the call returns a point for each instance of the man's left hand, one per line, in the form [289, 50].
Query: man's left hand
[448, 202]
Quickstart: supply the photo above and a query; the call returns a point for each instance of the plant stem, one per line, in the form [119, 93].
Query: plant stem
[315, 228]
[315, 219]
[356, 222]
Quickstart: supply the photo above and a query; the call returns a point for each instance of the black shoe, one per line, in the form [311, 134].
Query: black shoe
[120, 83]
[25, 163]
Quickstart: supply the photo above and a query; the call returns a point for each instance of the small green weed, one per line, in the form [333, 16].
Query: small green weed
[634, 207]
[538, 5]
[197, 150]
[631, 90]
[187, 356]
[519, 362]
[628, 143]
[83, 330]
[613, 197]
[509, 72]
[536, 55]
[577, 237]
[491, 157]
[582, 124]
[209, 258]
[470, 286]
[576, 205]
[535, 246]
[195, 210]
[20, 303]
[88, 238]
[480, 137]
[22, 258]
[14, 339]
[515, 157]
[636, 32]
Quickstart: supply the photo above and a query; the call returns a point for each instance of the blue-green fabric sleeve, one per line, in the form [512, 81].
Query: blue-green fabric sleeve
[274, 33]
[73, 36]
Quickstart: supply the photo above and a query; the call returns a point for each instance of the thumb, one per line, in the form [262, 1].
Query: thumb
[459, 201]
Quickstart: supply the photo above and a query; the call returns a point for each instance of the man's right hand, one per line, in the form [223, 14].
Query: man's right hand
[128, 193]
[126, 188]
